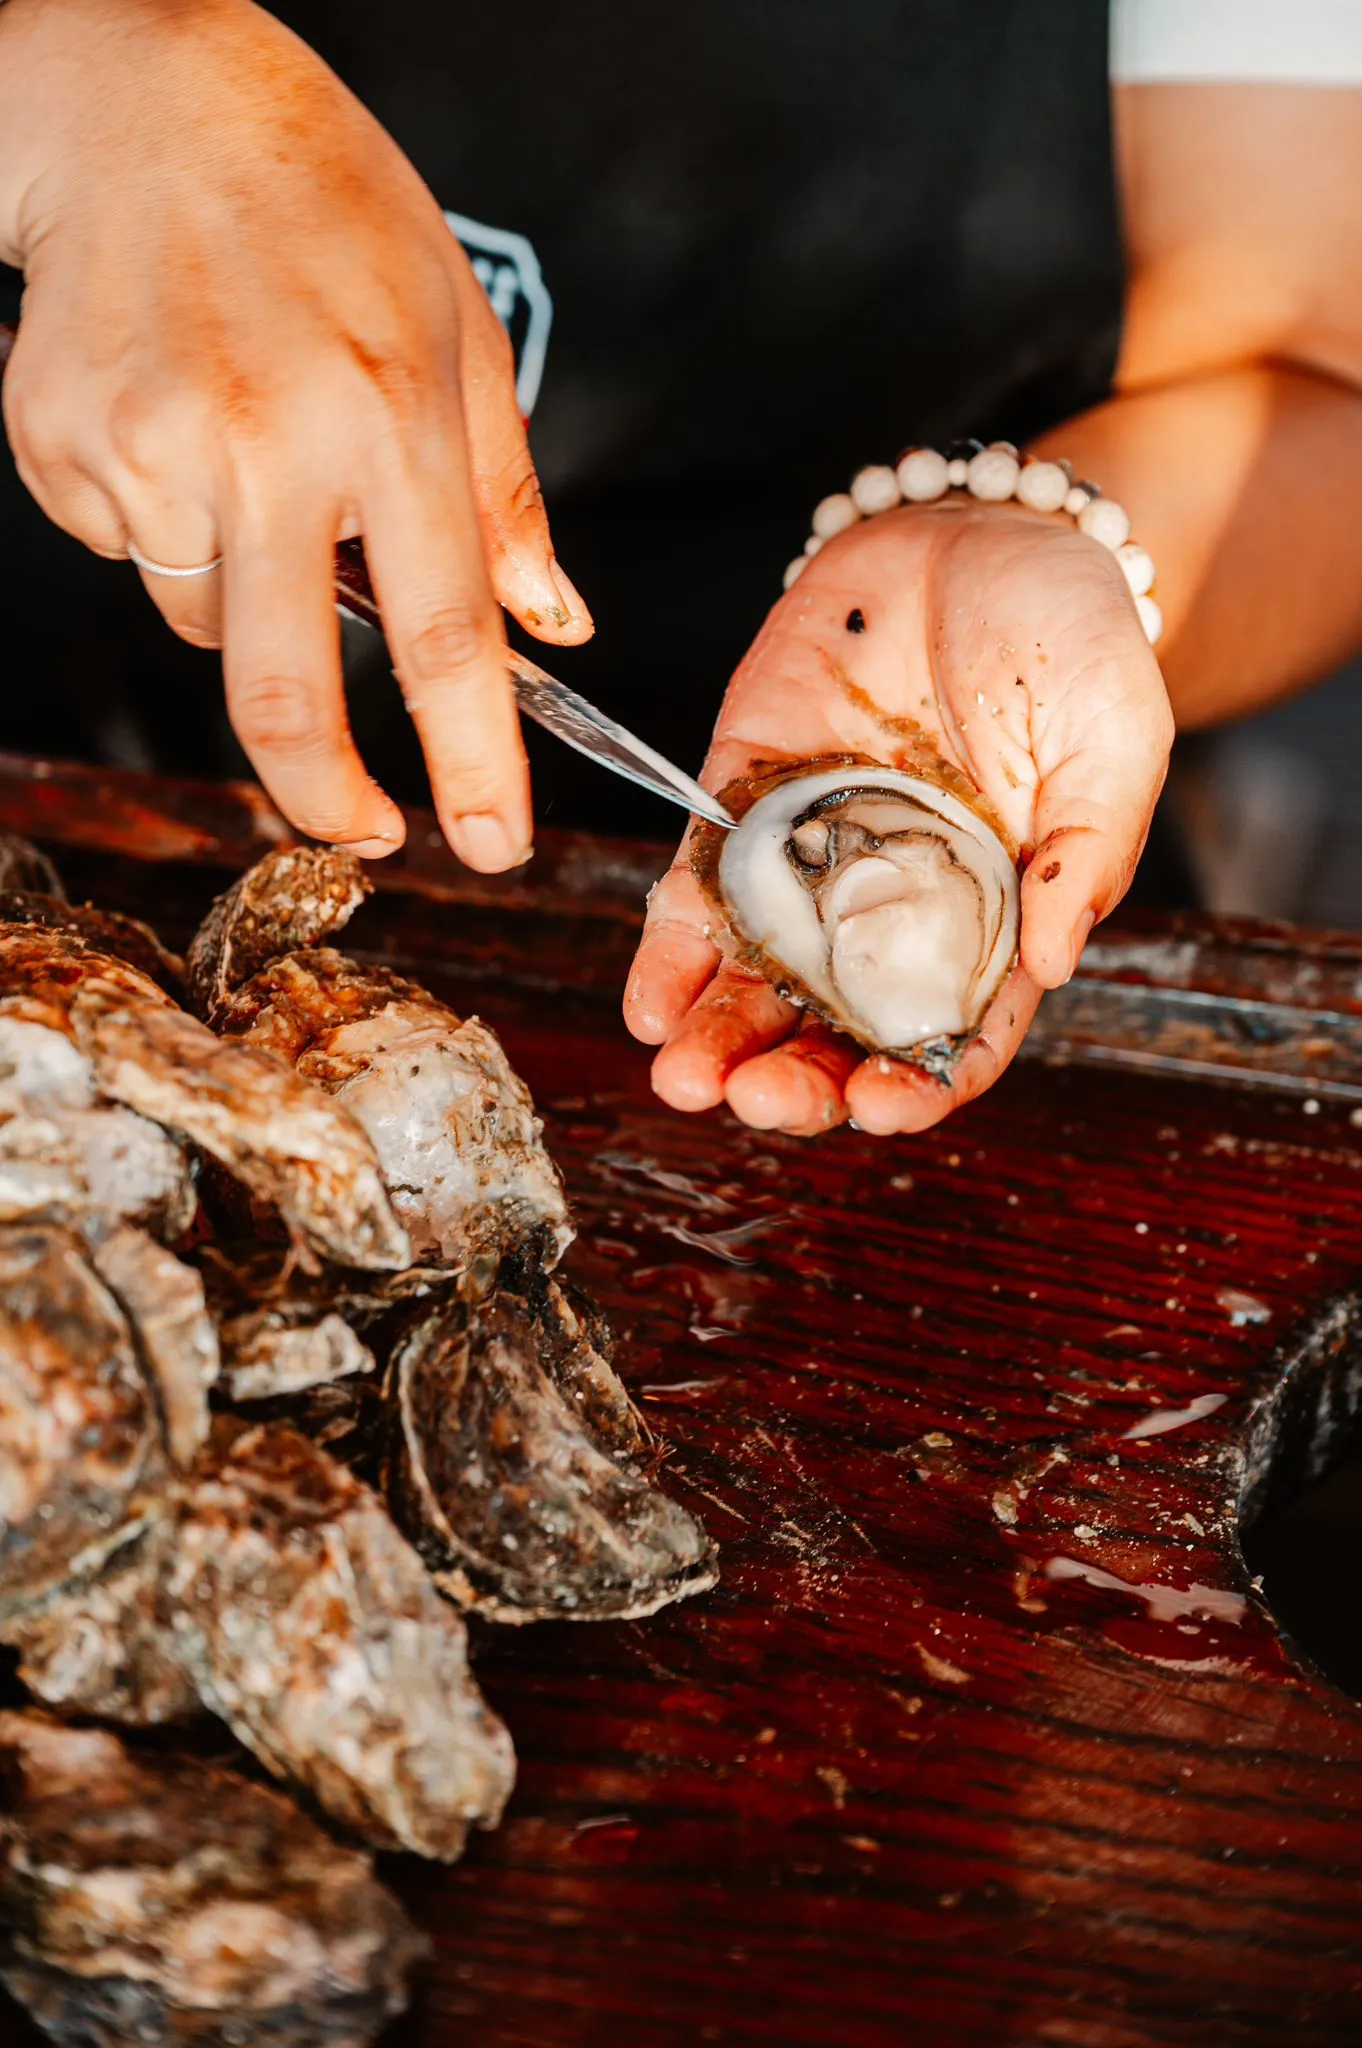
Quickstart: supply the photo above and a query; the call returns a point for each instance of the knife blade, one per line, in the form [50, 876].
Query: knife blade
[561, 711]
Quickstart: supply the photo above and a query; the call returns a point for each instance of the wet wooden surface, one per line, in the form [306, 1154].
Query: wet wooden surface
[984, 1741]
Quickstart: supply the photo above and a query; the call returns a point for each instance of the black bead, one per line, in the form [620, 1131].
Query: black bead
[856, 620]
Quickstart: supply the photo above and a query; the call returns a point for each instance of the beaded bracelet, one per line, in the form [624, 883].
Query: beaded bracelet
[993, 475]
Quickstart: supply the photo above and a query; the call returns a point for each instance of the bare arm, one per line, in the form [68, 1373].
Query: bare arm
[1235, 440]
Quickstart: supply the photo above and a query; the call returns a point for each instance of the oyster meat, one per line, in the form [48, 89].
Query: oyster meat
[885, 901]
[168, 1900]
[515, 1466]
[455, 1130]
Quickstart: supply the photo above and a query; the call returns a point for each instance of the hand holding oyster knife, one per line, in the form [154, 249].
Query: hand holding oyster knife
[992, 661]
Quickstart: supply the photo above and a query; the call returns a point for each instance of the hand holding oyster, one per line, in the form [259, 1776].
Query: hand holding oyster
[944, 749]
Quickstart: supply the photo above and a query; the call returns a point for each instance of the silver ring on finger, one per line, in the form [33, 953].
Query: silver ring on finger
[151, 568]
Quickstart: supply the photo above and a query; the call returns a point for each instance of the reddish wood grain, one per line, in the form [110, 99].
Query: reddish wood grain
[892, 1782]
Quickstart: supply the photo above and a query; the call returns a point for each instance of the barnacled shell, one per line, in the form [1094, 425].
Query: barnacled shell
[100, 1645]
[287, 901]
[171, 1902]
[312, 1628]
[286, 1141]
[452, 1123]
[886, 901]
[69, 1156]
[79, 1433]
[514, 1468]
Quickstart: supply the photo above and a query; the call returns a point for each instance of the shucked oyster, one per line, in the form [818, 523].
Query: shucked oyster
[882, 900]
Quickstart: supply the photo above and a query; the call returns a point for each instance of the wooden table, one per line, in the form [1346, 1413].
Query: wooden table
[954, 1756]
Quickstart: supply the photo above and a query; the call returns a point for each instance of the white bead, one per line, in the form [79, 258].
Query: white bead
[834, 515]
[1103, 519]
[1078, 496]
[875, 490]
[1138, 565]
[1151, 618]
[795, 570]
[1043, 486]
[923, 476]
[992, 476]
[814, 542]
[957, 473]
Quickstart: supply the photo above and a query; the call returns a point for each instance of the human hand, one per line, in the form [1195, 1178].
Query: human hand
[1006, 641]
[247, 329]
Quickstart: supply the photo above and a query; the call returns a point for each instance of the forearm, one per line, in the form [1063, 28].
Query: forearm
[1246, 487]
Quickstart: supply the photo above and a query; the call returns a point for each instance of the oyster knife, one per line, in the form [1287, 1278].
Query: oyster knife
[579, 724]
[558, 709]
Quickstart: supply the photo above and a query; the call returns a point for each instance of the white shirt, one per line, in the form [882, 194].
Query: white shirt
[1279, 42]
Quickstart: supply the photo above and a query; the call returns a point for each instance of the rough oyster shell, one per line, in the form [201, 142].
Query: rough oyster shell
[169, 1900]
[282, 1138]
[453, 1124]
[99, 1646]
[312, 1629]
[886, 901]
[69, 1156]
[288, 901]
[79, 1432]
[514, 1469]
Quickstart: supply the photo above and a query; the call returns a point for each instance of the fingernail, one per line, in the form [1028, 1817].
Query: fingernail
[482, 841]
[370, 849]
[570, 595]
[1081, 930]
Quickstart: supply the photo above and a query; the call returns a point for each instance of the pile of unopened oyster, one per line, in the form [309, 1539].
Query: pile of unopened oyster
[287, 1382]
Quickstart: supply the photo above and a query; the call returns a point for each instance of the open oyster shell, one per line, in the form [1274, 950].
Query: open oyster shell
[886, 901]
[516, 1468]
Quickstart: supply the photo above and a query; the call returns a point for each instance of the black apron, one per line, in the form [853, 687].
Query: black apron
[773, 242]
